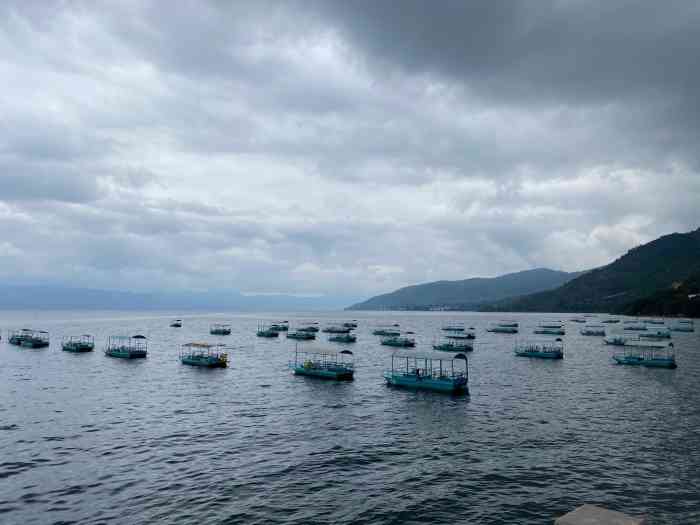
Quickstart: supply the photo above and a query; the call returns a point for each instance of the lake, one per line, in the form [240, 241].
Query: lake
[89, 439]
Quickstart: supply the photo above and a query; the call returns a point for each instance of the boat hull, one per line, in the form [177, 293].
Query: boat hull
[503, 330]
[337, 375]
[77, 348]
[541, 355]
[126, 354]
[414, 382]
[204, 363]
[649, 363]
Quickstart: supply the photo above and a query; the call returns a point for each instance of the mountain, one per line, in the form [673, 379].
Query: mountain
[467, 294]
[681, 299]
[51, 297]
[640, 273]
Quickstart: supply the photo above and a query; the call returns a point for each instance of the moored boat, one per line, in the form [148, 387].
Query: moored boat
[343, 338]
[28, 338]
[204, 355]
[336, 330]
[615, 340]
[594, 330]
[220, 329]
[267, 331]
[661, 333]
[504, 327]
[309, 329]
[540, 349]
[648, 356]
[452, 345]
[325, 365]
[397, 341]
[386, 332]
[127, 347]
[300, 335]
[682, 325]
[78, 343]
[177, 323]
[280, 327]
[550, 329]
[434, 371]
[610, 321]
[634, 326]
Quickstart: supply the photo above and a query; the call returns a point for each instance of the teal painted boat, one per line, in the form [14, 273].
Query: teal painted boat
[204, 355]
[267, 331]
[400, 342]
[78, 343]
[540, 349]
[324, 365]
[683, 325]
[280, 327]
[336, 330]
[593, 330]
[550, 329]
[28, 338]
[343, 338]
[647, 356]
[434, 372]
[127, 347]
[453, 346]
[220, 329]
[661, 333]
[386, 332]
[301, 336]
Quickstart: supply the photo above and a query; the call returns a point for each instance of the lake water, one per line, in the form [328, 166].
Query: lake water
[89, 439]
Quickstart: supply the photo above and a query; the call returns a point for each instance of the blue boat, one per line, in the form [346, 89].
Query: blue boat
[204, 355]
[126, 347]
[78, 343]
[220, 329]
[647, 355]
[540, 349]
[324, 365]
[429, 371]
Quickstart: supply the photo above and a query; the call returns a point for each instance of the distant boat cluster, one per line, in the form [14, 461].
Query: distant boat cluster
[445, 369]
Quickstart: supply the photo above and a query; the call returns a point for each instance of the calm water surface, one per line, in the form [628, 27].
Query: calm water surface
[88, 439]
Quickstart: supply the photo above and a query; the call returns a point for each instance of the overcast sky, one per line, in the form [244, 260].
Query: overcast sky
[341, 148]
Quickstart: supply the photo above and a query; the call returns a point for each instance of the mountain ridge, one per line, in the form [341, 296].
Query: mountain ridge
[466, 294]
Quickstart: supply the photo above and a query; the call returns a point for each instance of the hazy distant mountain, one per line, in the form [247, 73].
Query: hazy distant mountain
[58, 297]
[466, 294]
[645, 270]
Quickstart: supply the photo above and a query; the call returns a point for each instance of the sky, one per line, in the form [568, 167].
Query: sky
[340, 148]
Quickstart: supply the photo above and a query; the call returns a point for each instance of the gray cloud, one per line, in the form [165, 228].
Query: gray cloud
[340, 147]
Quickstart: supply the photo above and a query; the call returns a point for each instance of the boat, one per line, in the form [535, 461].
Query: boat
[343, 338]
[453, 328]
[655, 321]
[325, 365]
[336, 330]
[504, 327]
[78, 343]
[310, 329]
[434, 371]
[634, 326]
[267, 331]
[220, 329]
[350, 324]
[453, 345]
[615, 340]
[682, 325]
[386, 332]
[280, 327]
[401, 342]
[661, 333]
[461, 336]
[551, 324]
[127, 347]
[205, 355]
[301, 335]
[644, 355]
[540, 349]
[610, 321]
[509, 324]
[550, 329]
[29, 338]
[177, 323]
[593, 329]
[577, 320]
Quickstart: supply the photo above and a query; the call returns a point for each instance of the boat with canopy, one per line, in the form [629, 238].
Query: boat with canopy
[542, 349]
[28, 338]
[593, 330]
[266, 331]
[220, 329]
[78, 343]
[343, 338]
[127, 347]
[435, 371]
[647, 355]
[325, 365]
[204, 355]
[401, 342]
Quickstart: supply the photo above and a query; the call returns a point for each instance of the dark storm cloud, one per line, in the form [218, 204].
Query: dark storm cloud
[340, 146]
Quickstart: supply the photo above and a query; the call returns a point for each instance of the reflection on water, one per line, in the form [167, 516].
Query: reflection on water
[88, 439]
